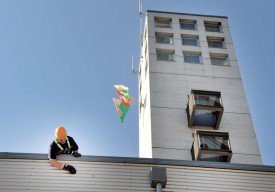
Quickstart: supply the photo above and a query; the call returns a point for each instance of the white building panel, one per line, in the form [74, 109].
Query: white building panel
[32, 172]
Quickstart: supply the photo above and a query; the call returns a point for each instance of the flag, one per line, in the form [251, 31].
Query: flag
[123, 94]
[121, 109]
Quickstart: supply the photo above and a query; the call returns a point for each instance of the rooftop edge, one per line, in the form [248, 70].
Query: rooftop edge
[153, 11]
[135, 160]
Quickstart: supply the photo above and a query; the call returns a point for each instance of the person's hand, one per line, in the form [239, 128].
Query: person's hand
[69, 168]
[76, 154]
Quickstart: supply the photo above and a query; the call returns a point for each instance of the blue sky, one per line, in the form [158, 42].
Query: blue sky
[60, 59]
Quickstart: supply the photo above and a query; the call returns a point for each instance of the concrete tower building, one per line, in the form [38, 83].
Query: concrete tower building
[193, 103]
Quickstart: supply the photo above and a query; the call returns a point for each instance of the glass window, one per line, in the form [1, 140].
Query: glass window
[164, 38]
[163, 22]
[219, 60]
[207, 100]
[188, 24]
[211, 146]
[204, 109]
[165, 55]
[213, 26]
[214, 142]
[190, 40]
[192, 57]
[215, 42]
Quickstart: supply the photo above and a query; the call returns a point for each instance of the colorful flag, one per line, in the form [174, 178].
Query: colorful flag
[123, 93]
[121, 109]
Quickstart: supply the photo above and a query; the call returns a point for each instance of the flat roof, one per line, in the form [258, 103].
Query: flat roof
[135, 160]
[187, 14]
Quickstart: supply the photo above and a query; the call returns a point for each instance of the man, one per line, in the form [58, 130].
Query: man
[63, 144]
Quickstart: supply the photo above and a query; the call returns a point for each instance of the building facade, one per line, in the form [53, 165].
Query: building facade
[192, 100]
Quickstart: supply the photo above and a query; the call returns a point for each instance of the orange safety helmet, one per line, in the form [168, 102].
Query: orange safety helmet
[60, 133]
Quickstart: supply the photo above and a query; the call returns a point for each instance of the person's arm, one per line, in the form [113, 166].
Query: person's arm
[66, 167]
[56, 164]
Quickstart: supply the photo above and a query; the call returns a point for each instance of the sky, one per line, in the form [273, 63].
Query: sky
[60, 59]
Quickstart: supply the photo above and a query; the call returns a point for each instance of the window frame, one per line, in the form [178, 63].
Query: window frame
[188, 22]
[166, 51]
[191, 37]
[217, 39]
[209, 24]
[193, 106]
[158, 22]
[163, 35]
[199, 150]
[220, 56]
[192, 54]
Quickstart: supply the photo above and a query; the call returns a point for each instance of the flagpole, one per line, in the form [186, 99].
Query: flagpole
[141, 35]
[141, 18]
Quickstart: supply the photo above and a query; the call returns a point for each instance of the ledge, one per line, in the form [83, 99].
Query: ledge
[153, 11]
[134, 160]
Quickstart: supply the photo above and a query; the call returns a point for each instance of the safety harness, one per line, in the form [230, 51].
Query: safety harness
[60, 147]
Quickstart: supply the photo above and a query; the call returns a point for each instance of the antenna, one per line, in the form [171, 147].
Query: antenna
[141, 17]
[141, 35]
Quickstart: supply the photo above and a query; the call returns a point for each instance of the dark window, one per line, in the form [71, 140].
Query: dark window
[212, 26]
[215, 42]
[163, 22]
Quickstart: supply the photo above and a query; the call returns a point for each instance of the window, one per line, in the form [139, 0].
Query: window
[211, 146]
[166, 38]
[219, 59]
[190, 40]
[213, 26]
[204, 109]
[215, 42]
[163, 22]
[188, 24]
[165, 55]
[192, 57]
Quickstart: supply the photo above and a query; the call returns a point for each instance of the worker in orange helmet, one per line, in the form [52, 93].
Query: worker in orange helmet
[63, 144]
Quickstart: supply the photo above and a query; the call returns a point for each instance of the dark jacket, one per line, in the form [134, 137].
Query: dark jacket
[55, 150]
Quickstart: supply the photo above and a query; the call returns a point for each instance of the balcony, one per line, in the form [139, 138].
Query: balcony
[211, 146]
[204, 109]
